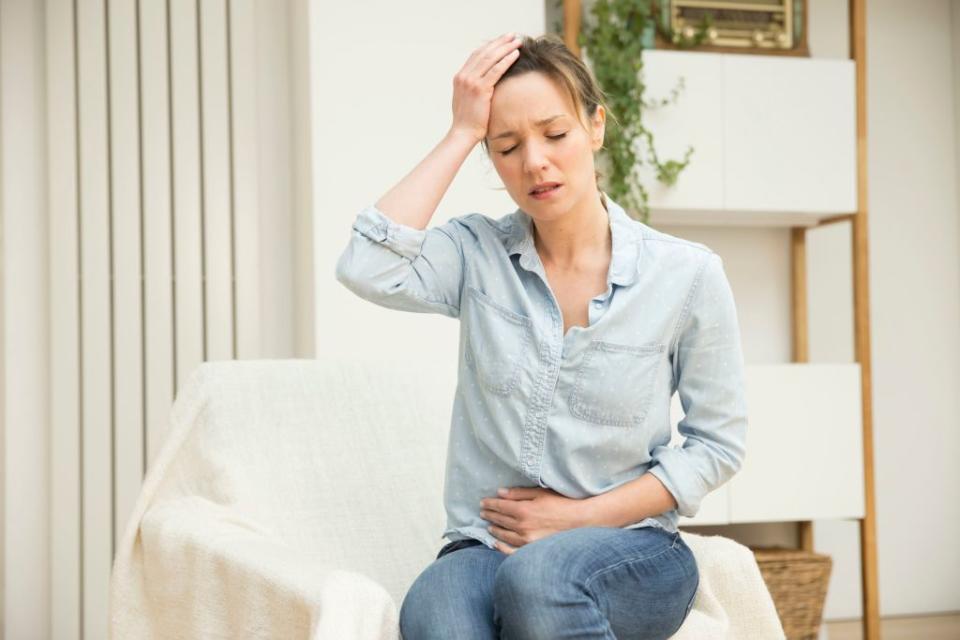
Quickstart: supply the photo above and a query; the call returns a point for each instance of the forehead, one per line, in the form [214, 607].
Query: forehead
[520, 102]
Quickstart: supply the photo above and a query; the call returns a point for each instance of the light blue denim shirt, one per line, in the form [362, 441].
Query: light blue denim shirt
[580, 413]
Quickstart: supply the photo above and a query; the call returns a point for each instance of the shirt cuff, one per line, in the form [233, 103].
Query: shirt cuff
[672, 468]
[401, 239]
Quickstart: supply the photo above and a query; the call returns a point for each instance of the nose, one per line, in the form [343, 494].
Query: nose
[534, 157]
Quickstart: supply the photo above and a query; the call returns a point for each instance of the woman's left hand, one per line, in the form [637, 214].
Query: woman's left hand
[526, 514]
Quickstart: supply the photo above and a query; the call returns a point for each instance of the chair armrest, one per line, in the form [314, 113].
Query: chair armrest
[732, 600]
[209, 572]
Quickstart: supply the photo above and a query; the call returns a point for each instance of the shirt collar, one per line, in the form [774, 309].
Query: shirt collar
[624, 262]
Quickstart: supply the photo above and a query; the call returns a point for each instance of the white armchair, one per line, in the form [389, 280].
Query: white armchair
[301, 498]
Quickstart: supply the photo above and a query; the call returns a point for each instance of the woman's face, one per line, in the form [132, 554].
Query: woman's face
[527, 150]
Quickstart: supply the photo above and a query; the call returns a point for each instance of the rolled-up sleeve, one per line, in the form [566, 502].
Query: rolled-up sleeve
[708, 367]
[401, 267]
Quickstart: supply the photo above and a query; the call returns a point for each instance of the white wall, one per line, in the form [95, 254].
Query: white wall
[915, 278]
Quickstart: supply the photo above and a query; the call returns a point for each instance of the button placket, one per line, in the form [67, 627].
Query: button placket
[535, 423]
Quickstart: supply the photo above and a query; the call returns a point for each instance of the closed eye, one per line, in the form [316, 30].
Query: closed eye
[556, 137]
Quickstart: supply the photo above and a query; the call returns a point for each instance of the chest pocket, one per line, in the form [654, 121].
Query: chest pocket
[614, 383]
[497, 341]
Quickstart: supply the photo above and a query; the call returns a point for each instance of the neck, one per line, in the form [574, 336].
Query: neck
[577, 239]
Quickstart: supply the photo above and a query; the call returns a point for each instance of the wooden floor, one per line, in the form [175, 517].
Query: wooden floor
[933, 627]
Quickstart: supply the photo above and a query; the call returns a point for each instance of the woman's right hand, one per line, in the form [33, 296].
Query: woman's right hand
[473, 84]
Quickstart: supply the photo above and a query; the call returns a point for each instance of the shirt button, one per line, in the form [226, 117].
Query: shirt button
[597, 303]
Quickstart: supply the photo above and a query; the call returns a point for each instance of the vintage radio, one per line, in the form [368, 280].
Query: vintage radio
[747, 26]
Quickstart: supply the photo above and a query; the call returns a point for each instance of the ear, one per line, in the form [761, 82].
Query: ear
[599, 126]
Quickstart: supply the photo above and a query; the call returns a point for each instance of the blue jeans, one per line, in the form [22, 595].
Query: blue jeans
[589, 582]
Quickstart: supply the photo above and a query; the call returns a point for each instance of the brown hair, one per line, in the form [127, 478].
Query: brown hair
[549, 55]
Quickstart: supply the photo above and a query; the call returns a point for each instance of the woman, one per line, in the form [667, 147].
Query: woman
[578, 323]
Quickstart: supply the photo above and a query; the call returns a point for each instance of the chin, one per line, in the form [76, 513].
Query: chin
[554, 213]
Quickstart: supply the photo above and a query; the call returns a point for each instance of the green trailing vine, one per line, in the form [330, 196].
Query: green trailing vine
[612, 42]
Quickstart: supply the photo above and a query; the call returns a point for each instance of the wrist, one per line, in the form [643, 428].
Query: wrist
[588, 512]
[464, 137]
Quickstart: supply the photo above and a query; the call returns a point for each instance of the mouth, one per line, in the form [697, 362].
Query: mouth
[545, 189]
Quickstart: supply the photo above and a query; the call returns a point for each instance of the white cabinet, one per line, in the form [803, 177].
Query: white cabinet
[774, 138]
[804, 449]
[693, 120]
[790, 134]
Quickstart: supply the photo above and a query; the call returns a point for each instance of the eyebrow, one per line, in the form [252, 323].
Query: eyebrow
[539, 123]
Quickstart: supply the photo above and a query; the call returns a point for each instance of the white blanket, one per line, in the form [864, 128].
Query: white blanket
[300, 499]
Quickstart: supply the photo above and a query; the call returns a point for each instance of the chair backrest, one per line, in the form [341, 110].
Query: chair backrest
[342, 460]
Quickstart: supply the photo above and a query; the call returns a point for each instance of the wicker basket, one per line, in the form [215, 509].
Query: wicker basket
[797, 581]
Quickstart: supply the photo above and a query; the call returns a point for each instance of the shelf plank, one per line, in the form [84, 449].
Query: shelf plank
[742, 218]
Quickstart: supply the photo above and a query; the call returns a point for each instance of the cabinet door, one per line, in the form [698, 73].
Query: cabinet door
[715, 507]
[789, 134]
[804, 456]
[695, 119]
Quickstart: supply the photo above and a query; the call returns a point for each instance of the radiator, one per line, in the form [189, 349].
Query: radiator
[154, 256]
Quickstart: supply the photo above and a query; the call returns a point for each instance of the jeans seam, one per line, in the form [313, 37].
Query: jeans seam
[631, 559]
[686, 612]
